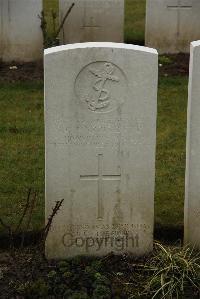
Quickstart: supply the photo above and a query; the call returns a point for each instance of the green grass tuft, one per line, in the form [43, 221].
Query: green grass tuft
[135, 21]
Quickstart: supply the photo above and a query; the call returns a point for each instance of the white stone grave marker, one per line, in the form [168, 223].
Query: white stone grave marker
[192, 184]
[100, 119]
[172, 24]
[20, 32]
[92, 21]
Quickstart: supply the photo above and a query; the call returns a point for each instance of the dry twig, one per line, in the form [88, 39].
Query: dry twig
[51, 217]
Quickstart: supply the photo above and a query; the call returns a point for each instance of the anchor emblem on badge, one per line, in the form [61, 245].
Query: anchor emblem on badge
[99, 86]
[102, 97]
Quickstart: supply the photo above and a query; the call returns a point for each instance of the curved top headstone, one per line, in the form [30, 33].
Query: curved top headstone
[99, 45]
[100, 119]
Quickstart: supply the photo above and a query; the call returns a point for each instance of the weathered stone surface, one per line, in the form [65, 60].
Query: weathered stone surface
[20, 33]
[100, 118]
[92, 21]
[192, 189]
[172, 24]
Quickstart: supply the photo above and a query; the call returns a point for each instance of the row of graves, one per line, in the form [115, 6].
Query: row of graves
[100, 121]
[170, 25]
[22, 25]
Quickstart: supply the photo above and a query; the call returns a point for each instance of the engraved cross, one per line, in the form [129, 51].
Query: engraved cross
[91, 24]
[100, 178]
[179, 5]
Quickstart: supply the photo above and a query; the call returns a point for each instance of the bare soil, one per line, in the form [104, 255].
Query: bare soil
[178, 65]
[25, 273]
[20, 72]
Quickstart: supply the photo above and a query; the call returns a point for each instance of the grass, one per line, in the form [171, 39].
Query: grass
[22, 150]
[171, 272]
[134, 21]
[49, 7]
[170, 162]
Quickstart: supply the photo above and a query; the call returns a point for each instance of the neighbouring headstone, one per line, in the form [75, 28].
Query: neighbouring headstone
[192, 189]
[100, 119]
[172, 24]
[20, 32]
[92, 21]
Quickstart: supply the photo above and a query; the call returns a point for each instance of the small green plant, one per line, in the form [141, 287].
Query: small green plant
[172, 272]
[36, 289]
[50, 39]
[76, 295]
[165, 60]
[101, 292]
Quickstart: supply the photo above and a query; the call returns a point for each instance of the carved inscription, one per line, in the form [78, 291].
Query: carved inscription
[100, 226]
[101, 87]
[102, 133]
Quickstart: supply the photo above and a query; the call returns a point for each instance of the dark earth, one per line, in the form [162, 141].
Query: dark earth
[25, 273]
[169, 65]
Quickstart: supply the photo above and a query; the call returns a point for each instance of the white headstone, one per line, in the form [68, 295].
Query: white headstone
[172, 24]
[92, 21]
[100, 118]
[20, 32]
[192, 189]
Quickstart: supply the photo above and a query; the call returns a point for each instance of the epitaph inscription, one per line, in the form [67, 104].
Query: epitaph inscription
[101, 86]
[102, 132]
